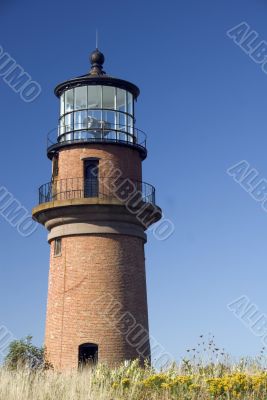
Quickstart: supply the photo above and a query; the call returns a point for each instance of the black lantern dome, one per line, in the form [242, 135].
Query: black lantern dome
[97, 76]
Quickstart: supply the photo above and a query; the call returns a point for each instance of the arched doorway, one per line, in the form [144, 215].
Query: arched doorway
[88, 354]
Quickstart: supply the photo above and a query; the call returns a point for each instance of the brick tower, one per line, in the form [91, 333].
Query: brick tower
[96, 209]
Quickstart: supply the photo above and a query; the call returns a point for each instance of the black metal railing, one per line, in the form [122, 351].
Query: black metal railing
[104, 132]
[124, 190]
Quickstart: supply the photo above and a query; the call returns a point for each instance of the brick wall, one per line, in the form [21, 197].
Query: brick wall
[126, 159]
[91, 271]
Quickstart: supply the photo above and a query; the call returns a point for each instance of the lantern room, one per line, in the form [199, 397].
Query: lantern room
[97, 108]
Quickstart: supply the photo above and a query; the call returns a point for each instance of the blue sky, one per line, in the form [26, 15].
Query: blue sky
[203, 105]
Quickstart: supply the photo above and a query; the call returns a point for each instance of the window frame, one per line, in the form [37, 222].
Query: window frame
[55, 170]
[58, 247]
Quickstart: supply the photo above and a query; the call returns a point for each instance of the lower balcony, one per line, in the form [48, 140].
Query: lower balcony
[97, 205]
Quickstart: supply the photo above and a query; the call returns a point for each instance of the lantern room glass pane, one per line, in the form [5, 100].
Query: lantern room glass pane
[80, 98]
[108, 97]
[94, 124]
[108, 119]
[130, 125]
[62, 128]
[80, 120]
[94, 97]
[94, 121]
[122, 121]
[94, 118]
[69, 100]
[69, 122]
[129, 103]
[121, 100]
[62, 104]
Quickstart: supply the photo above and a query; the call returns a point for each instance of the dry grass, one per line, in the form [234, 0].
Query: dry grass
[207, 373]
[246, 380]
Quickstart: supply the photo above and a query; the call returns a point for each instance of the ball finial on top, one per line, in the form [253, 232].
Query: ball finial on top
[97, 58]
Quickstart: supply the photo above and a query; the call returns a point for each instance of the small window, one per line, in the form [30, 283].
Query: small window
[57, 248]
[55, 166]
[91, 183]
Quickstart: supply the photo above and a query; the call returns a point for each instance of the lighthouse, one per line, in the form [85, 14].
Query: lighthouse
[97, 209]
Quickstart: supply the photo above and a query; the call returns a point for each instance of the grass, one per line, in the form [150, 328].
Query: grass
[246, 380]
[206, 373]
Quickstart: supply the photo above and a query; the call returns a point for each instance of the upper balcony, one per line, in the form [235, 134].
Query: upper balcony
[98, 132]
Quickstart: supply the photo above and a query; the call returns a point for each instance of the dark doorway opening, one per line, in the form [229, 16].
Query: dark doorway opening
[91, 185]
[88, 354]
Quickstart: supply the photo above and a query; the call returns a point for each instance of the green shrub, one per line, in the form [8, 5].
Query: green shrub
[23, 354]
